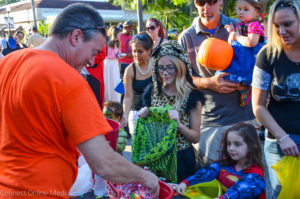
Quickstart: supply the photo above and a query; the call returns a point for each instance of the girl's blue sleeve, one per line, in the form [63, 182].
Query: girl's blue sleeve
[249, 186]
[205, 174]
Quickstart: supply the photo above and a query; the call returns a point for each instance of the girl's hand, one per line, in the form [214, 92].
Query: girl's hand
[174, 115]
[123, 121]
[181, 188]
[289, 148]
[229, 27]
[143, 112]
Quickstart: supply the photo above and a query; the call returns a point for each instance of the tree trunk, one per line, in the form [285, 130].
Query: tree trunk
[225, 7]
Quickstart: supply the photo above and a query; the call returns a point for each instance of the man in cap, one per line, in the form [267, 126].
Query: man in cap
[126, 54]
[222, 106]
[48, 111]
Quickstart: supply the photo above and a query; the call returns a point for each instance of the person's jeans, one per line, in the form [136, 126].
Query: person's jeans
[122, 69]
[123, 66]
[273, 154]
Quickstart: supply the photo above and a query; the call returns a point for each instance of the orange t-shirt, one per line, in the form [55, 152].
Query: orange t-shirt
[46, 109]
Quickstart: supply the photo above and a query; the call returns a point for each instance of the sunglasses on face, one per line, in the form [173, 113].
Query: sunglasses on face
[150, 28]
[140, 37]
[203, 2]
[170, 69]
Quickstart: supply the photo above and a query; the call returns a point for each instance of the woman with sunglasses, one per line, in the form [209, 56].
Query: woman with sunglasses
[172, 85]
[155, 29]
[277, 73]
[137, 77]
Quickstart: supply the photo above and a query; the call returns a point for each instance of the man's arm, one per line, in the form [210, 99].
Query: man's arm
[113, 167]
[215, 83]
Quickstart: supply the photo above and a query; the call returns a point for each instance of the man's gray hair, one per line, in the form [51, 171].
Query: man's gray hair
[77, 16]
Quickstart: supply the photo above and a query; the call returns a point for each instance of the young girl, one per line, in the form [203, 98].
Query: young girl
[173, 85]
[114, 110]
[240, 169]
[111, 65]
[246, 40]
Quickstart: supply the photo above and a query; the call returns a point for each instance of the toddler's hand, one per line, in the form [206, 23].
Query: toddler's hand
[143, 112]
[181, 188]
[229, 28]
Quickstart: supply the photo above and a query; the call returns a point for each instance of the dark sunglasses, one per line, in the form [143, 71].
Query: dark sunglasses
[284, 4]
[203, 2]
[102, 29]
[150, 28]
[140, 36]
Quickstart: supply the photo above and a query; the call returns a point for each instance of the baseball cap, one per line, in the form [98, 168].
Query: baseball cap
[128, 23]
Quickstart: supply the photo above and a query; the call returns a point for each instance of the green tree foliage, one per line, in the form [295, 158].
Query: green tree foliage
[5, 2]
[176, 13]
[172, 13]
[44, 28]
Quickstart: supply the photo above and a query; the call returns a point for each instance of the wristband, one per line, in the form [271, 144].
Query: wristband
[282, 138]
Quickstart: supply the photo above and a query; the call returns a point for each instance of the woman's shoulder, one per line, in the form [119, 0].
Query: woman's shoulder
[129, 71]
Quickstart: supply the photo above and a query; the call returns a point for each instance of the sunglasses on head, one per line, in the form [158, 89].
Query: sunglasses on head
[140, 36]
[102, 29]
[203, 2]
[284, 4]
[150, 28]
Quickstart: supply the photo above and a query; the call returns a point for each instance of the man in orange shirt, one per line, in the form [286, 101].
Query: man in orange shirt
[47, 110]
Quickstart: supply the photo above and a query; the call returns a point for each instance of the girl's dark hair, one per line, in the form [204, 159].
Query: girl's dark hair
[143, 39]
[116, 108]
[161, 33]
[250, 137]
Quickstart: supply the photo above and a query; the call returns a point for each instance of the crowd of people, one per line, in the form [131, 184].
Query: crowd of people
[52, 94]
[16, 42]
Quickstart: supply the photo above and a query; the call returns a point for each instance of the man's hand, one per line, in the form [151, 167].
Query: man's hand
[152, 183]
[221, 86]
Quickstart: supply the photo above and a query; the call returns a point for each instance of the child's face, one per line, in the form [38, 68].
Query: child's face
[246, 12]
[236, 146]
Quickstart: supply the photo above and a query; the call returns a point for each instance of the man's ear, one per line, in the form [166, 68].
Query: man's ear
[76, 36]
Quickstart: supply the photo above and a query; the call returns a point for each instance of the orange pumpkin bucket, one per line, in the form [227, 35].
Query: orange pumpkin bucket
[215, 54]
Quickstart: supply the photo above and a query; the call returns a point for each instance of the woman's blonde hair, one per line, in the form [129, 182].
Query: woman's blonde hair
[274, 45]
[181, 82]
